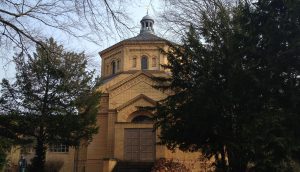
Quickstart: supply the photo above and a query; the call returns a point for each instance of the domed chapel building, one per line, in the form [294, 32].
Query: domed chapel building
[126, 141]
[126, 138]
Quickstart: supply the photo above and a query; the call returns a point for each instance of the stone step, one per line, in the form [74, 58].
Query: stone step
[124, 166]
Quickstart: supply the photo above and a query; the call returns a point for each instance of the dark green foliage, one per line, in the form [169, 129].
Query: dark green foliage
[7, 140]
[237, 89]
[169, 165]
[53, 100]
[5, 145]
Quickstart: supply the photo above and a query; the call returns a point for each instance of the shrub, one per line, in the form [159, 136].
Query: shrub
[169, 165]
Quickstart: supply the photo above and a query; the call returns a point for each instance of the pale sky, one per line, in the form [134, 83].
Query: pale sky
[135, 11]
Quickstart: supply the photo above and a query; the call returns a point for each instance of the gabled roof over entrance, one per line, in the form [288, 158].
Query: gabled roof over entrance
[137, 74]
[137, 98]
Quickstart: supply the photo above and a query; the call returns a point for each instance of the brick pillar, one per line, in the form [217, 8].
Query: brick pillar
[112, 114]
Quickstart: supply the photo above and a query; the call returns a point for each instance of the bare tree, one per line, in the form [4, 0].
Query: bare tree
[23, 22]
[178, 15]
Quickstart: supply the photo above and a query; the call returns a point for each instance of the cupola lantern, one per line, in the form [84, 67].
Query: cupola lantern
[147, 25]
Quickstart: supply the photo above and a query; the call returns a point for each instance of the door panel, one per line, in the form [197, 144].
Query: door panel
[139, 145]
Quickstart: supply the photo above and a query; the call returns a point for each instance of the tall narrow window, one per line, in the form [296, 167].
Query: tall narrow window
[113, 67]
[134, 62]
[154, 62]
[118, 65]
[144, 62]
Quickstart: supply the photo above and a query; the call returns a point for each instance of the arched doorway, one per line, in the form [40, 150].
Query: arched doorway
[139, 143]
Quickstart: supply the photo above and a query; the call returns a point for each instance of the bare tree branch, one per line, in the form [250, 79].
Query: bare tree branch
[178, 15]
[23, 22]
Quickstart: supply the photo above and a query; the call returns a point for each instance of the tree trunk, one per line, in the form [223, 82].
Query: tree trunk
[38, 162]
[237, 162]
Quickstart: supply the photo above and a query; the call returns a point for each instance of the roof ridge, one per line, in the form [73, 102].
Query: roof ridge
[145, 37]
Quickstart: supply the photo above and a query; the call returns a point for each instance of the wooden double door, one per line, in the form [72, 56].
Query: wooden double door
[139, 144]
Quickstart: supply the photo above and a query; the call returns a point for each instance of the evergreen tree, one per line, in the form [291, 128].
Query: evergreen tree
[52, 101]
[236, 87]
[5, 146]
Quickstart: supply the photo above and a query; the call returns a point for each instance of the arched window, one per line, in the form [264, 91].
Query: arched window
[113, 67]
[118, 65]
[144, 62]
[141, 119]
[154, 62]
[134, 62]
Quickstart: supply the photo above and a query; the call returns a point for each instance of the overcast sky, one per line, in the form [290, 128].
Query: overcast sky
[135, 11]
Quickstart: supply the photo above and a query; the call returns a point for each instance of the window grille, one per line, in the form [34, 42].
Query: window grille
[59, 148]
